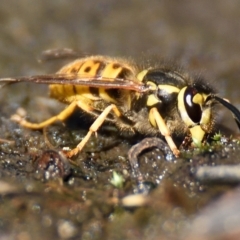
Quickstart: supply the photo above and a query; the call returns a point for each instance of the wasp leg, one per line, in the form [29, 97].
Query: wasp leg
[60, 117]
[164, 130]
[94, 127]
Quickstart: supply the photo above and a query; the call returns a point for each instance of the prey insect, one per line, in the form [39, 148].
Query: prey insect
[157, 101]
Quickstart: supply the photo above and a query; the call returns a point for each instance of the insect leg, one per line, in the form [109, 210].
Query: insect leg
[94, 127]
[164, 130]
[60, 117]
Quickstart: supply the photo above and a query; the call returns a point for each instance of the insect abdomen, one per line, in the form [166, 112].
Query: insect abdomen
[91, 67]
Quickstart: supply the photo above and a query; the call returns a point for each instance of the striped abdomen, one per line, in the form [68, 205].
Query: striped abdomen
[90, 67]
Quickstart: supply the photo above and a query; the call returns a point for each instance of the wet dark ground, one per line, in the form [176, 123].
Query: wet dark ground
[43, 196]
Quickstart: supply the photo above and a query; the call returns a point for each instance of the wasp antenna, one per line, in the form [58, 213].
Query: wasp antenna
[233, 109]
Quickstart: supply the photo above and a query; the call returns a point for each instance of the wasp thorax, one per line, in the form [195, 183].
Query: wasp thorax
[194, 112]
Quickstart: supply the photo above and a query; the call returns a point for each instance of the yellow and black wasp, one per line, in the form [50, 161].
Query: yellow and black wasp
[157, 101]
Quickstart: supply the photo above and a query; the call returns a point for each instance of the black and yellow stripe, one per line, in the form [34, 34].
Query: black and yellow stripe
[93, 67]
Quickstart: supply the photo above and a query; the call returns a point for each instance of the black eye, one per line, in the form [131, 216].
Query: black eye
[193, 110]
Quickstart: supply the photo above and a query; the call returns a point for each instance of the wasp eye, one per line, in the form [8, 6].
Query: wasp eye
[192, 104]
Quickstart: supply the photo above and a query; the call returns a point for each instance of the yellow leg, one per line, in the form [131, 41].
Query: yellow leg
[94, 127]
[164, 130]
[65, 114]
[60, 117]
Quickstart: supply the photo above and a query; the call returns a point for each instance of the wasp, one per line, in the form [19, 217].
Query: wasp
[155, 101]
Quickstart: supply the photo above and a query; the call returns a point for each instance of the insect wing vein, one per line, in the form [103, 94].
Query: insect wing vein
[74, 79]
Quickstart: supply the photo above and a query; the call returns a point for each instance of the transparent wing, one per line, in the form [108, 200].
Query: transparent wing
[74, 79]
[59, 53]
